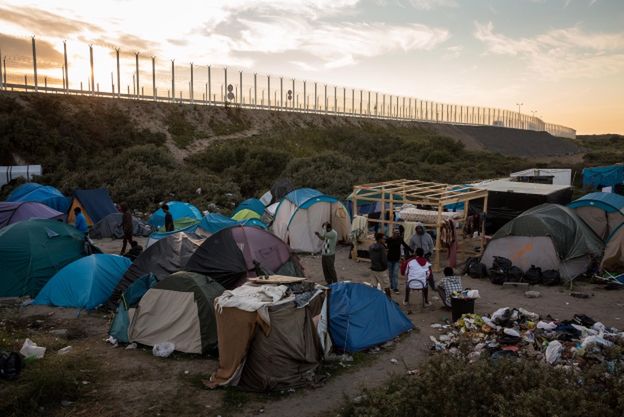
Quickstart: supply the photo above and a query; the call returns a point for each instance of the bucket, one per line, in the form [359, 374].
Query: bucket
[461, 306]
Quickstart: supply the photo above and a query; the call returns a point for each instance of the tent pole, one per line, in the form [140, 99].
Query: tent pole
[485, 205]
[436, 264]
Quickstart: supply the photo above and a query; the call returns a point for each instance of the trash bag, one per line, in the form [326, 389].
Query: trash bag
[163, 349]
[497, 276]
[533, 275]
[501, 263]
[515, 274]
[477, 270]
[31, 350]
[10, 365]
[584, 320]
[551, 277]
[553, 352]
[471, 260]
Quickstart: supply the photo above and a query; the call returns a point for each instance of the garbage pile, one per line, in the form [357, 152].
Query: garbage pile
[518, 333]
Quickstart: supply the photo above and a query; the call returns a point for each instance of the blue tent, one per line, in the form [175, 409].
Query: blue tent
[85, 283]
[603, 176]
[178, 210]
[609, 202]
[361, 317]
[252, 204]
[44, 194]
[215, 222]
[130, 298]
[156, 236]
[96, 204]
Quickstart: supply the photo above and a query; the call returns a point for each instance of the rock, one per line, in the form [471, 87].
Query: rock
[394, 361]
[59, 332]
[532, 294]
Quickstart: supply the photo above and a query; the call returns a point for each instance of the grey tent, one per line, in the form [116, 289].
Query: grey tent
[110, 226]
[179, 309]
[549, 236]
[163, 258]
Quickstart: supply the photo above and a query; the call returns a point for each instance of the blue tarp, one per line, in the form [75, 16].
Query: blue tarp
[361, 317]
[252, 204]
[96, 203]
[44, 194]
[178, 210]
[85, 283]
[609, 202]
[603, 176]
[215, 222]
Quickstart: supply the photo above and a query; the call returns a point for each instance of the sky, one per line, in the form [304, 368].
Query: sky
[562, 59]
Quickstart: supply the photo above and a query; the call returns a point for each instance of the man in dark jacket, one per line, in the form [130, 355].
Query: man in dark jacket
[379, 263]
[394, 244]
[126, 226]
[169, 227]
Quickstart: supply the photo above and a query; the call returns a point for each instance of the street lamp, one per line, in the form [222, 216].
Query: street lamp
[519, 106]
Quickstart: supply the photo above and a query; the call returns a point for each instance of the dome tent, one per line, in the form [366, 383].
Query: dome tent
[178, 309]
[302, 212]
[549, 236]
[603, 212]
[613, 259]
[215, 222]
[32, 251]
[12, 212]
[44, 194]
[251, 208]
[95, 205]
[184, 215]
[110, 226]
[85, 283]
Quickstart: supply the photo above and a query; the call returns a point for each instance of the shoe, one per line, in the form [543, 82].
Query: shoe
[395, 291]
[428, 304]
[405, 303]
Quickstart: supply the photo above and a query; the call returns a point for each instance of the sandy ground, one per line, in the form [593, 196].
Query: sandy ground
[135, 383]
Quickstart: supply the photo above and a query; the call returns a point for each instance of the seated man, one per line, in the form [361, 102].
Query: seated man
[417, 272]
[450, 284]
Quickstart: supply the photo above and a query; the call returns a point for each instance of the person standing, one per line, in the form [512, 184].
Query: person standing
[328, 252]
[169, 226]
[80, 222]
[394, 244]
[379, 263]
[422, 240]
[126, 226]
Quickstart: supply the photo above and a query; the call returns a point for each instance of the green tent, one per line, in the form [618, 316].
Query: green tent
[32, 251]
[179, 309]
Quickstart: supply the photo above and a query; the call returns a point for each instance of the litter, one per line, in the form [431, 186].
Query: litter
[532, 294]
[542, 325]
[31, 350]
[131, 346]
[64, 350]
[163, 349]
[394, 361]
[553, 352]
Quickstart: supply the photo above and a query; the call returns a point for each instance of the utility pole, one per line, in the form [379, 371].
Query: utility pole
[173, 80]
[118, 72]
[154, 94]
[65, 69]
[138, 84]
[92, 71]
[34, 54]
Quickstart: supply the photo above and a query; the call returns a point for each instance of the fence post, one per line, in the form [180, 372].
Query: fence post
[294, 96]
[154, 93]
[209, 85]
[112, 84]
[325, 101]
[268, 89]
[92, 70]
[383, 105]
[225, 91]
[192, 85]
[353, 101]
[344, 100]
[34, 55]
[1, 76]
[173, 80]
[65, 69]
[376, 103]
[138, 83]
[118, 74]
[305, 106]
[368, 109]
[282, 91]
[335, 99]
[255, 89]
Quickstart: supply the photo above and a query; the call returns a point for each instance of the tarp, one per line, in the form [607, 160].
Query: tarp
[361, 317]
[44, 194]
[163, 258]
[178, 210]
[85, 283]
[96, 204]
[110, 226]
[603, 176]
[32, 251]
[13, 212]
[215, 222]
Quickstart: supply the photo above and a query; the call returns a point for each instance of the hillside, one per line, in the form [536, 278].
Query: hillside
[147, 152]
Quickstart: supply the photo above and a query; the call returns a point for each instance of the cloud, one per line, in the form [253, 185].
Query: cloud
[18, 52]
[45, 23]
[560, 53]
[430, 4]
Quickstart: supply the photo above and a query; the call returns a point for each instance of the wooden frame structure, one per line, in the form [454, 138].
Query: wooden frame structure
[436, 196]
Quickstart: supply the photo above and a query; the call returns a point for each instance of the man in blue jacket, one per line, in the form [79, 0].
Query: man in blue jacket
[80, 223]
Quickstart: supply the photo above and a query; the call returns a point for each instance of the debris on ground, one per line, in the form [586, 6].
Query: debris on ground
[518, 333]
[532, 294]
[31, 350]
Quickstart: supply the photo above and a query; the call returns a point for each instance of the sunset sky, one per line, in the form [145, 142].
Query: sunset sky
[564, 59]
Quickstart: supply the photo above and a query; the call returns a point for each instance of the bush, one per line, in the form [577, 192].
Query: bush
[452, 387]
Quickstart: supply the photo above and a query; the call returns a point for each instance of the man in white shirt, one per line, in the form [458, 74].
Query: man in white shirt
[417, 272]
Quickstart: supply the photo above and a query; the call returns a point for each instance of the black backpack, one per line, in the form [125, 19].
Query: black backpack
[551, 277]
[533, 275]
[10, 365]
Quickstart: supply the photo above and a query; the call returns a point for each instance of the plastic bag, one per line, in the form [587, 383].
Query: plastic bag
[511, 332]
[501, 315]
[595, 340]
[529, 314]
[543, 325]
[31, 350]
[553, 352]
[163, 349]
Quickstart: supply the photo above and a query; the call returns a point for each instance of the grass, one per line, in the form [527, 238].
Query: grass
[449, 387]
[181, 130]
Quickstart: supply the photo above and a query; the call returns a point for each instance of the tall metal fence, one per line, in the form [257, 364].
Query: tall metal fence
[108, 71]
